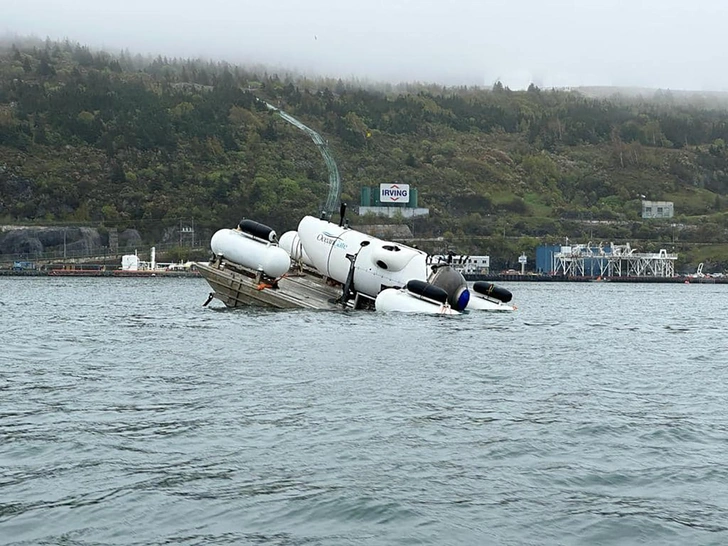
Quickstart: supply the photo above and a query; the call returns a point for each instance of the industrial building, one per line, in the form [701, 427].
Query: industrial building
[467, 265]
[658, 209]
[604, 261]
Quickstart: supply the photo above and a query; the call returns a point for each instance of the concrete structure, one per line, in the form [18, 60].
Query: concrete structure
[657, 209]
[393, 212]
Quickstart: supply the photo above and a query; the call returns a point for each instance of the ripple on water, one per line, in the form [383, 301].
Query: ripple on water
[132, 415]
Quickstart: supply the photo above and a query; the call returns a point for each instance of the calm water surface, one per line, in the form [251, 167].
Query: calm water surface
[129, 414]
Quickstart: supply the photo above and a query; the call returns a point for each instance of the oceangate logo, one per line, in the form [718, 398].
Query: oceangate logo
[331, 239]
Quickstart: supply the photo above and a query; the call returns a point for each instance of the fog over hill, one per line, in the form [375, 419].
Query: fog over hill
[716, 98]
[666, 44]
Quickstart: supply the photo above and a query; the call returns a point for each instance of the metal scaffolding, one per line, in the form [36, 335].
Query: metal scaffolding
[612, 261]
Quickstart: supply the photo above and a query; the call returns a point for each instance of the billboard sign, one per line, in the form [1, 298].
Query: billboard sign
[394, 193]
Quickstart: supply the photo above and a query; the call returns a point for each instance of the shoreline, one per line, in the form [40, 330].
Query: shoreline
[680, 279]
[97, 273]
[118, 273]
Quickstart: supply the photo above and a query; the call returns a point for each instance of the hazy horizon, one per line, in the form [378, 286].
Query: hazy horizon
[666, 45]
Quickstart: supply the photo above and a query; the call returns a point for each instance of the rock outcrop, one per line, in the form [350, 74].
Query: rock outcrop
[129, 238]
[33, 241]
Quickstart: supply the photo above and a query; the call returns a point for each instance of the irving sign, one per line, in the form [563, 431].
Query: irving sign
[394, 193]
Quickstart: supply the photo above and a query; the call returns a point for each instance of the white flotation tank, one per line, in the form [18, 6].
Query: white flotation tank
[291, 243]
[241, 248]
[417, 297]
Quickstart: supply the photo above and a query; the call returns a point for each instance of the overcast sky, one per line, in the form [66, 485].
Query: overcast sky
[669, 44]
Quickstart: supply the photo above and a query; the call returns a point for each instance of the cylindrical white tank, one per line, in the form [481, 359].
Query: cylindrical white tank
[379, 264]
[291, 243]
[402, 301]
[479, 303]
[241, 249]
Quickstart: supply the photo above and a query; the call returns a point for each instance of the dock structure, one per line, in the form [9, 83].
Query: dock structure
[613, 261]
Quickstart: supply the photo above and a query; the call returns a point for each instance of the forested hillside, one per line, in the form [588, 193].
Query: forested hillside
[123, 141]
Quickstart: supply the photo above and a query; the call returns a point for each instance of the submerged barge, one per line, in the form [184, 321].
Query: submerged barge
[237, 287]
[322, 265]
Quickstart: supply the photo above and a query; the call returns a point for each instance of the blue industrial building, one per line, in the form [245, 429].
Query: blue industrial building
[547, 263]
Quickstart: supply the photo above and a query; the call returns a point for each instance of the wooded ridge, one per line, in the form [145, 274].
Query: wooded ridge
[123, 141]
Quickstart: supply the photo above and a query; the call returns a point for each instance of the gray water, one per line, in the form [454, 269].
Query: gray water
[130, 414]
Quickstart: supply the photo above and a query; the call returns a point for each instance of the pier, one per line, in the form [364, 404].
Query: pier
[678, 279]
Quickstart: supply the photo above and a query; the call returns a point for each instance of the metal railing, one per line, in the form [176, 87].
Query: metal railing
[92, 254]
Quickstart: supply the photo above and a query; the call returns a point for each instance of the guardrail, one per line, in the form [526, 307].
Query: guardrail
[93, 254]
